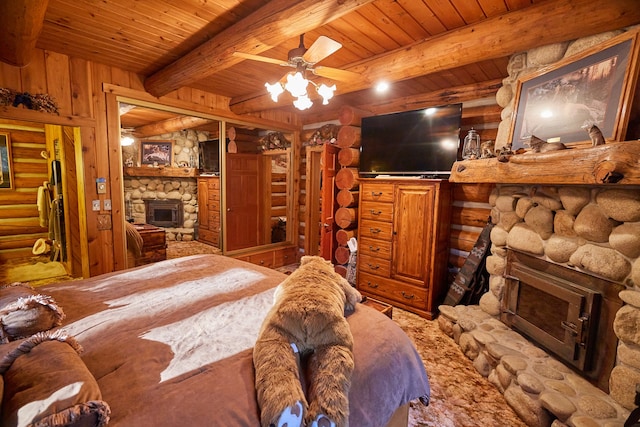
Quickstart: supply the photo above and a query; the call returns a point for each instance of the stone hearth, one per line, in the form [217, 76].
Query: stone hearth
[592, 230]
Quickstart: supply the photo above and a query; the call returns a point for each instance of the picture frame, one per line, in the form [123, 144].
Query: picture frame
[156, 153]
[6, 172]
[595, 87]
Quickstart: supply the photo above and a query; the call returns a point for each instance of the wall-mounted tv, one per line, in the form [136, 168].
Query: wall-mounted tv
[417, 143]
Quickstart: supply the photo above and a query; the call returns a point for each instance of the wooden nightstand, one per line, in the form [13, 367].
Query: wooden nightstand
[155, 246]
[382, 307]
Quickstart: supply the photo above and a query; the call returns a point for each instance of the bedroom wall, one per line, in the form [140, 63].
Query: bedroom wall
[85, 93]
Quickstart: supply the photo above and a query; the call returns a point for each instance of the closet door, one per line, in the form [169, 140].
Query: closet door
[243, 207]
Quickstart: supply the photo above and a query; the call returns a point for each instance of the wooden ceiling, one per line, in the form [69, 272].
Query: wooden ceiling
[425, 48]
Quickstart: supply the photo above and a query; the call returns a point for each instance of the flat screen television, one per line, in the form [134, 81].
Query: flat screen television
[415, 143]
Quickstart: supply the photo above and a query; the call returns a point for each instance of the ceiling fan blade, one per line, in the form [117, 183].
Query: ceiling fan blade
[260, 58]
[320, 49]
[336, 74]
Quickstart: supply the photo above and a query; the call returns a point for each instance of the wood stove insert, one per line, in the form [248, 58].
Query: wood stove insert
[567, 312]
[164, 213]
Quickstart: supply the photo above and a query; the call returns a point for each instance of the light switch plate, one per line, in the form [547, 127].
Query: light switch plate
[107, 204]
[95, 205]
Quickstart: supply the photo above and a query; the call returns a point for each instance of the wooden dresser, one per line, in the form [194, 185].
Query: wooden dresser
[209, 210]
[403, 242]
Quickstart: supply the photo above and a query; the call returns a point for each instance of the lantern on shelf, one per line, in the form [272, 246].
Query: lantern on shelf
[471, 145]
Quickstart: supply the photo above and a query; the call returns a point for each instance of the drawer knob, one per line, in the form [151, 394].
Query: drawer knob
[404, 294]
[372, 285]
[373, 212]
[372, 249]
[373, 267]
[261, 261]
[375, 230]
[376, 194]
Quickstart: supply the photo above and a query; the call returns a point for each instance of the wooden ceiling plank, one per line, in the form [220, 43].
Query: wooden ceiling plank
[488, 39]
[21, 22]
[382, 23]
[273, 23]
[425, 17]
[448, 14]
[397, 14]
[469, 10]
[493, 8]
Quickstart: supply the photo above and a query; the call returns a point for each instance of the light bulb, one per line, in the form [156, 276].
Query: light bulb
[274, 90]
[303, 102]
[326, 92]
[126, 141]
[296, 84]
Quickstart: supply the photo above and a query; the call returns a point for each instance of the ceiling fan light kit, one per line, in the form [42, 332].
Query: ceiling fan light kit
[303, 59]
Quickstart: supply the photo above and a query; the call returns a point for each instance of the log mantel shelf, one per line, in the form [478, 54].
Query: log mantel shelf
[161, 171]
[613, 163]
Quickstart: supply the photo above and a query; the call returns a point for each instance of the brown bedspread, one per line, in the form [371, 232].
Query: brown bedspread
[170, 344]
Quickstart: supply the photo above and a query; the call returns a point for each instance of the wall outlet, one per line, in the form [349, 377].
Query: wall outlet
[107, 204]
[95, 205]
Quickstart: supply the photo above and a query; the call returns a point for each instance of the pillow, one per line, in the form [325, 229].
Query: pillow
[46, 384]
[23, 312]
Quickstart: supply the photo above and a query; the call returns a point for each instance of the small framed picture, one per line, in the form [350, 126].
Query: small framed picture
[6, 176]
[156, 153]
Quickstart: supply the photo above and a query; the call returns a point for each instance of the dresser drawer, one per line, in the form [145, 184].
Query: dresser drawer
[392, 290]
[375, 247]
[285, 256]
[377, 211]
[377, 192]
[375, 229]
[373, 265]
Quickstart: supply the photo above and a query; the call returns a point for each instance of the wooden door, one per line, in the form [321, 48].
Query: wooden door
[242, 194]
[329, 228]
[412, 232]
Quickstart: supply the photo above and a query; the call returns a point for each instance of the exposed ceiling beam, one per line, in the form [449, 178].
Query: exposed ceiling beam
[21, 22]
[269, 26]
[170, 125]
[538, 25]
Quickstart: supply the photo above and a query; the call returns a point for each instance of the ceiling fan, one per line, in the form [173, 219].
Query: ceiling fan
[303, 59]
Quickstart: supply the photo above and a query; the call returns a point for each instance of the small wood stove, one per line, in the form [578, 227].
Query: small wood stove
[164, 213]
[567, 312]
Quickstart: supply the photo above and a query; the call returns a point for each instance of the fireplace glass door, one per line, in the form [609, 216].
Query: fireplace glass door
[557, 314]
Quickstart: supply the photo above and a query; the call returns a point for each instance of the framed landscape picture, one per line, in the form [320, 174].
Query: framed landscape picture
[156, 153]
[594, 87]
[6, 176]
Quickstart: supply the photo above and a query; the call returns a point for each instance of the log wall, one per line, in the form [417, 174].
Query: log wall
[83, 91]
[19, 217]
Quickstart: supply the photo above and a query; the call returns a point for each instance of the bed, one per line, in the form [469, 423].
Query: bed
[170, 344]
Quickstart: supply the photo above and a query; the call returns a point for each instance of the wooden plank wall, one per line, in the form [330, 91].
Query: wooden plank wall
[19, 217]
[77, 86]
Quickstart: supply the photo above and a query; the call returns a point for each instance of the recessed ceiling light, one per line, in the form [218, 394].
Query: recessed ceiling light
[382, 87]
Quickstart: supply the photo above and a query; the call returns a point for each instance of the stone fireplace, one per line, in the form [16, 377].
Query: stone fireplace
[565, 262]
[582, 230]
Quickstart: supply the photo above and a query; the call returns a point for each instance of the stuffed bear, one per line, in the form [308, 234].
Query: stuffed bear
[306, 325]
